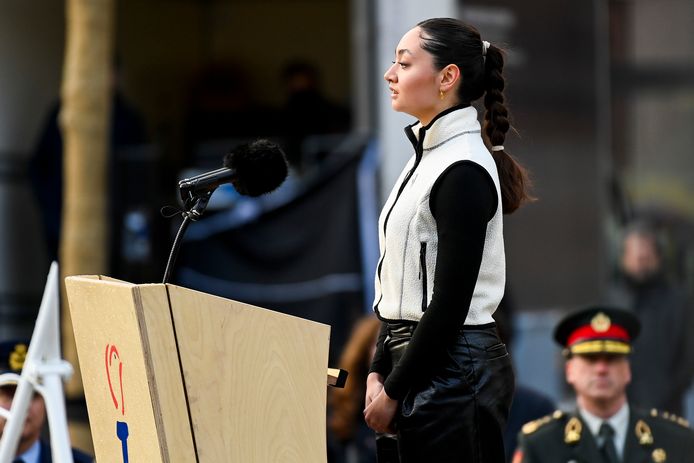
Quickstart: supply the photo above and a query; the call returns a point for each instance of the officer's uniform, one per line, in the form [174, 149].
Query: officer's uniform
[651, 436]
[564, 437]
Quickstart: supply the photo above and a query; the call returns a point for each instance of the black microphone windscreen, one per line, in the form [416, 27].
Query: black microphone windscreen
[259, 166]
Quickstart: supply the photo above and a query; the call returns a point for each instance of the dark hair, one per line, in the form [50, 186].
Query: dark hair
[451, 41]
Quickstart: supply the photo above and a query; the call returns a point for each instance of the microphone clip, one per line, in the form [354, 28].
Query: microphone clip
[195, 205]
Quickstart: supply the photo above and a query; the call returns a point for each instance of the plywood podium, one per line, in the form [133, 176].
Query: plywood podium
[175, 375]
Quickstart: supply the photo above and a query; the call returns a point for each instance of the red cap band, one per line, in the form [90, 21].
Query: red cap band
[587, 333]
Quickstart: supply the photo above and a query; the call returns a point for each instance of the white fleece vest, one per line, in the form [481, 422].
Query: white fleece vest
[407, 230]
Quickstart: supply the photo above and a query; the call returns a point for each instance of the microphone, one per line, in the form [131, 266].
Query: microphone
[253, 169]
[203, 183]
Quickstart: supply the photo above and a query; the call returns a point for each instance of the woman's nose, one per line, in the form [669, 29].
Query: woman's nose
[389, 76]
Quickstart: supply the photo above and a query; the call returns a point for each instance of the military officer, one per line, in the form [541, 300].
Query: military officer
[605, 427]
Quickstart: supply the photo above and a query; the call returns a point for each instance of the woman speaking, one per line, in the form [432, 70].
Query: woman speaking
[441, 381]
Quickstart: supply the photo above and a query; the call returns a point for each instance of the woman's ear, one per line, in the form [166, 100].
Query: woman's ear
[450, 75]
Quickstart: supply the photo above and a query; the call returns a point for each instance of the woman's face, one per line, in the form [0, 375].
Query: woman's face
[413, 81]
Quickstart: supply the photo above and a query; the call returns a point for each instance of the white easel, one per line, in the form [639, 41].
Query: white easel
[44, 371]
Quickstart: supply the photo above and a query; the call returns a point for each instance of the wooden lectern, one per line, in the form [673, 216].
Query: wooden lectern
[175, 375]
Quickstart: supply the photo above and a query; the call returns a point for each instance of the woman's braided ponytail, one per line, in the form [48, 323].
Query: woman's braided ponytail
[512, 176]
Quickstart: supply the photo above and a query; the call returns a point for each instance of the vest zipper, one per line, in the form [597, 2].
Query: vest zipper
[423, 271]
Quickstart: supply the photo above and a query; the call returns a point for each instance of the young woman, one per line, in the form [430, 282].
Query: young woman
[441, 380]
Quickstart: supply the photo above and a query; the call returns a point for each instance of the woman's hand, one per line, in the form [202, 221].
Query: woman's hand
[374, 385]
[379, 410]
[380, 413]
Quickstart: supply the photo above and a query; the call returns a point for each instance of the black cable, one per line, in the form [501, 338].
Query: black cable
[175, 247]
[192, 214]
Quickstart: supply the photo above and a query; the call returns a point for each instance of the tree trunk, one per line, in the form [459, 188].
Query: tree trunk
[84, 120]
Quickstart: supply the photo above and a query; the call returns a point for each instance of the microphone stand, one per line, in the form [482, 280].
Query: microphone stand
[190, 215]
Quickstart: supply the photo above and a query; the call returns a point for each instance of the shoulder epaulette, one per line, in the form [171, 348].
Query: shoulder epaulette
[532, 426]
[670, 417]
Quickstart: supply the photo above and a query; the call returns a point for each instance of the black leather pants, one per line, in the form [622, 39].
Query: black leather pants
[459, 414]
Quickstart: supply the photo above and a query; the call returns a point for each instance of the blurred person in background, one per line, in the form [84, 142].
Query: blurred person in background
[46, 163]
[606, 426]
[306, 112]
[31, 448]
[663, 358]
[441, 382]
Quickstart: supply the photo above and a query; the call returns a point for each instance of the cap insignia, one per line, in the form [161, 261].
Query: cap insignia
[572, 431]
[600, 323]
[643, 433]
[659, 455]
[17, 357]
